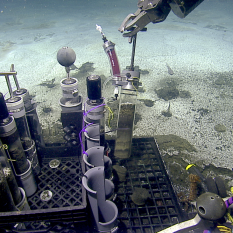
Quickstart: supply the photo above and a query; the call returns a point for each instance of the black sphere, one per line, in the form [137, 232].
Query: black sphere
[210, 206]
[66, 56]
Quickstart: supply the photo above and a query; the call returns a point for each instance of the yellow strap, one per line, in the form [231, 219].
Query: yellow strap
[13, 160]
[189, 166]
[229, 217]
[224, 229]
[111, 115]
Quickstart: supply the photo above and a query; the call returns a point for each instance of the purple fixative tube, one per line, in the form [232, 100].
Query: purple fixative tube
[229, 201]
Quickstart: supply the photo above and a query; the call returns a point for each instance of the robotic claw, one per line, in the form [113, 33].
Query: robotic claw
[155, 11]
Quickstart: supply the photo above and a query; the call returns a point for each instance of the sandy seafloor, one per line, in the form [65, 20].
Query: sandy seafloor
[199, 50]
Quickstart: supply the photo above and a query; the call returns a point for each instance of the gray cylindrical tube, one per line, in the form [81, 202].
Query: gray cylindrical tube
[13, 186]
[95, 157]
[27, 181]
[6, 203]
[23, 205]
[16, 109]
[12, 183]
[10, 136]
[104, 212]
[92, 135]
[31, 154]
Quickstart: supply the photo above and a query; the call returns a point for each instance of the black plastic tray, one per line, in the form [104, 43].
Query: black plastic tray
[67, 211]
[145, 169]
[68, 202]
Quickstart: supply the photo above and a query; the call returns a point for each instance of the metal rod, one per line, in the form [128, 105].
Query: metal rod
[68, 72]
[15, 77]
[9, 85]
[134, 37]
[8, 73]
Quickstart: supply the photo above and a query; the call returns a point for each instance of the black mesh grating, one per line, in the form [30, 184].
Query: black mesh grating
[64, 182]
[145, 169]
[66, 211]
[67, 208]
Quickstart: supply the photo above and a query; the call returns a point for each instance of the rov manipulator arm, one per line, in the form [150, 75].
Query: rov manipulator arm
[155, 11]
